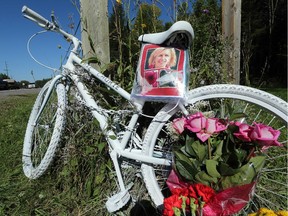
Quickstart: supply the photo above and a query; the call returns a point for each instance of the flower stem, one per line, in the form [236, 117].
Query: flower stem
[209, 148]
[201, 207]
[250, 154]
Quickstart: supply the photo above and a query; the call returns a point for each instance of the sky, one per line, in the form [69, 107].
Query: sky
[48, 48]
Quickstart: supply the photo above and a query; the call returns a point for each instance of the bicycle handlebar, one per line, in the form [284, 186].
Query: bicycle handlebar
[35, 17]
[44, 23]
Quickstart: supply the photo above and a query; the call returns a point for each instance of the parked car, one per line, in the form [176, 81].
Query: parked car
[3, 85]
[12, 84]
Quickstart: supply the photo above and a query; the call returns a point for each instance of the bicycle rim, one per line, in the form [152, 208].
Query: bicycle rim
[271, 190]
[41, 139]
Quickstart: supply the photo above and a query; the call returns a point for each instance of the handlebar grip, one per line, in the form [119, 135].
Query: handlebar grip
[32, 15]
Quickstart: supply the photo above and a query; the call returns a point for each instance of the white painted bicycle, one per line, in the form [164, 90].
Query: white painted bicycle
[47, 121]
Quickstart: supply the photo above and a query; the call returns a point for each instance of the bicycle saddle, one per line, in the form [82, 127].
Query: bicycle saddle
[179, 35]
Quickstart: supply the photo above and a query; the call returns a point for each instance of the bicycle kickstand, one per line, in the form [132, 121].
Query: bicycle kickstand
[120, 199]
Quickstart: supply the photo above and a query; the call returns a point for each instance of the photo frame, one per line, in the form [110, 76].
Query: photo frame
[162, 73]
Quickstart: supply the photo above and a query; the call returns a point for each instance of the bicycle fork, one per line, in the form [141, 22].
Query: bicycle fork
[47, 96]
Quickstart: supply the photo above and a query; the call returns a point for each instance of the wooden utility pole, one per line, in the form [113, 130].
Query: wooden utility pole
[95, 30]
[6, 69]
[231, 30]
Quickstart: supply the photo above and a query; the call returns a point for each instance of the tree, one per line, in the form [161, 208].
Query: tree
[4, 76]
[118, 31]
[264, 43]
[147, 19]
[122, 46]
[208, 46]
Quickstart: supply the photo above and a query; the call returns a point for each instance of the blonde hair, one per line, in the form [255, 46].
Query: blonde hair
[157, 51]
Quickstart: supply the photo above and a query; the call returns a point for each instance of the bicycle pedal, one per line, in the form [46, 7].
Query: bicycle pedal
[118, 201]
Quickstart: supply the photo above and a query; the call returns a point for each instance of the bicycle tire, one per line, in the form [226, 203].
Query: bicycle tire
[42, 139]
[271, 106]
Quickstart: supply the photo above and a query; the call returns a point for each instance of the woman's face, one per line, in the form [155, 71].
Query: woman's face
[162, 59]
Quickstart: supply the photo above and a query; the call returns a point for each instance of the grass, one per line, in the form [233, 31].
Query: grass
[13, 185]
[58, 193]
[279, 92]
[81, 178]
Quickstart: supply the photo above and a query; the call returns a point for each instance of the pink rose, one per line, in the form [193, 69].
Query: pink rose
[244, 131]
[208, 130]
[178, 124]
[196, 122]
[220, 126]
[203, 127]
[265, 136]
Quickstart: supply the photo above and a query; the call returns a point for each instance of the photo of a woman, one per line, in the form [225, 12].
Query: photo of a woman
[162, 57]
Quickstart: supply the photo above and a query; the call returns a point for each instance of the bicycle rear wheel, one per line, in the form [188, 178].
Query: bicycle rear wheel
[271, 190]
[43, 132]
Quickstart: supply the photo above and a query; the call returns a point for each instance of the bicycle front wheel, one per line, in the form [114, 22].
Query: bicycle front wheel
[44, 130]
[259, 106]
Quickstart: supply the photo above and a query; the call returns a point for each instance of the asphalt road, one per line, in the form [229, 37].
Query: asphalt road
[6, 93]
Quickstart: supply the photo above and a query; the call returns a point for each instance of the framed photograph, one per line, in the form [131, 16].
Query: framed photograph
[161, 73]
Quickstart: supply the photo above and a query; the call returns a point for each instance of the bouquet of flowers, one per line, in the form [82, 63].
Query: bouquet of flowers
[216, 164]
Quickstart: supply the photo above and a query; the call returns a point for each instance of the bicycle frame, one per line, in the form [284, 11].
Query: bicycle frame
[117, 146]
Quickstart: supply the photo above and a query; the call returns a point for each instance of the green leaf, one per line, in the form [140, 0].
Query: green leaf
[246, 174]
[101, 146]
[200, 150]
[225, 170]
[257, 162]
[241, 154]
[204, 178]
[185, 166]
[89, 149]
[211, 166]
[113, 137]
[218, 152]
[185, 170]
[93, 59]
[233, 160]
[188, 147]
[91, 43]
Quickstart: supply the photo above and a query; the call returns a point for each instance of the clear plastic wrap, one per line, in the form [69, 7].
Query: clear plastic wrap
[162, 73]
